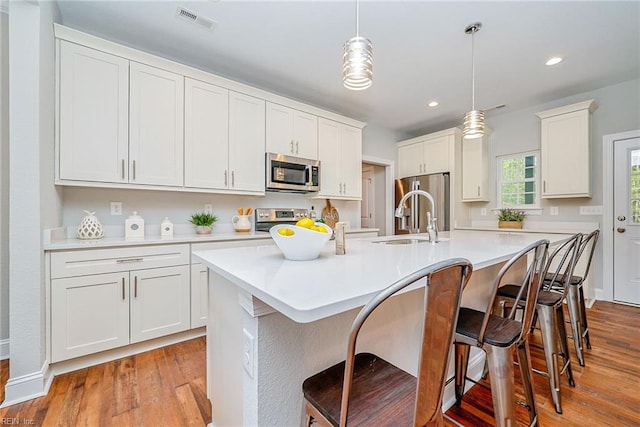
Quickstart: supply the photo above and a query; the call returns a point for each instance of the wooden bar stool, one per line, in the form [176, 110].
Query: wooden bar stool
[575, 295]
[497, 336]
[550, 313]
[367, 390]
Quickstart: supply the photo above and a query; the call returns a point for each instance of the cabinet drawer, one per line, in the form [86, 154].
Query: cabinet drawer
[97, 261]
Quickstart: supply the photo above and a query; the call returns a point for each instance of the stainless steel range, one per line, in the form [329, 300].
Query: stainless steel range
[265, 218]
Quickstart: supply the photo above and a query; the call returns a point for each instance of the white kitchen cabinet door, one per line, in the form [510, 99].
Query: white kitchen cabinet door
[156, 115]
[199, 295]
[340, 152]
[436, 155]
[246, 143]
[411, 160]
[89, 314]
[565, 160]
[291, 132]
[475, 169]
[93, 115]
[350, 161]
[160, 302]
[206, 135]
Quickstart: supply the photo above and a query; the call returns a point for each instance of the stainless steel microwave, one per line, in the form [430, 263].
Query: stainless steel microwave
[292, 174]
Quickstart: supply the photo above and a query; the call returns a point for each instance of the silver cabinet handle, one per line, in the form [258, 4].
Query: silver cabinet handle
[344, 187]
[233, 178]
[225, 177]
[126, 260]
[134, 170]
[123, 296]
[122, 168]
[478, 191]
[544, 186]
[297, 147]
[621, 229]
[135, 286]
[292, 147]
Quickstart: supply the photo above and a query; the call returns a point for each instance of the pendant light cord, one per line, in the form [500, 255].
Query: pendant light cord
[473, 73]
[357, 18]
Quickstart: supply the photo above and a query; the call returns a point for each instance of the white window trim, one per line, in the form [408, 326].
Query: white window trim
[534, 209]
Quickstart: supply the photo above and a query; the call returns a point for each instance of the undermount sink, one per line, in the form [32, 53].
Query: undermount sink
[407, 240]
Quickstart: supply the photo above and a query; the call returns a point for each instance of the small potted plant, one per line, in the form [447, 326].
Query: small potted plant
[510, 218]
[203, 222]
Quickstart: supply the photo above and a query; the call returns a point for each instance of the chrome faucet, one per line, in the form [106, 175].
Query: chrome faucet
[432, 224]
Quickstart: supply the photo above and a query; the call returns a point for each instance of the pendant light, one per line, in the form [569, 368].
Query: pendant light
[357, 60]
[473, 123]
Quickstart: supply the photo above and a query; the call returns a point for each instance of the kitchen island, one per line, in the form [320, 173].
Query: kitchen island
[273, 322]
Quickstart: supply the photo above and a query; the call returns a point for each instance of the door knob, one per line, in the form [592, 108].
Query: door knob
[621, 217]
[621, 229]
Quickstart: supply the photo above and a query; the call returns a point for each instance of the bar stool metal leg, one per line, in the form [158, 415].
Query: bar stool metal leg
[563, 341]
[573, 304]
[583, 318]
[524, 359]
[548, 328]
[462, 362]
[502, 384]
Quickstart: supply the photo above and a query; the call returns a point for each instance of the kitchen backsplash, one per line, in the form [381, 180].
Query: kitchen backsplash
[153, 206]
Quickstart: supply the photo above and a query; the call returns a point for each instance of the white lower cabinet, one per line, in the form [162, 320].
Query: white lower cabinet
[131, 299]
[199, 295]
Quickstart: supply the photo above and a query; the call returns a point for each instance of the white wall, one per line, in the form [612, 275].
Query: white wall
[4, 184]
[33, 204]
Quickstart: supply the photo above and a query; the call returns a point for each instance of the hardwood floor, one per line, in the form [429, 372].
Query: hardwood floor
[166, 387]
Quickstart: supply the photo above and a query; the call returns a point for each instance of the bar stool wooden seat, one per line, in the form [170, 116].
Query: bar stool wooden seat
[367, 390]
[550, 312]
[575, 294]
[497, 336]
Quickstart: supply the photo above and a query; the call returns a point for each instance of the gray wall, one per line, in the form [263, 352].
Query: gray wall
[4, 184]
[514, 132]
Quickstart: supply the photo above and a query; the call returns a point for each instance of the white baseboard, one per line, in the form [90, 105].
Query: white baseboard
[4, 349]
[28, 386]
[599, 294]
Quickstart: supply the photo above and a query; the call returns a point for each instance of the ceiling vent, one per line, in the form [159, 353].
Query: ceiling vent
[189, 16]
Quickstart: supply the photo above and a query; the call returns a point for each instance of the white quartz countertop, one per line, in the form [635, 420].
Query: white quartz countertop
[306, 291]
[55, 239]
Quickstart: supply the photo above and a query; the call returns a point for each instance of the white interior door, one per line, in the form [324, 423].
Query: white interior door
[367, 211]
[626, 221]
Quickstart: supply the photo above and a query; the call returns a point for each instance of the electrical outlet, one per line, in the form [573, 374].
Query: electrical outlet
[483, 211]
[553, 210]
[116, 208]
[208, 208]
[247, 352]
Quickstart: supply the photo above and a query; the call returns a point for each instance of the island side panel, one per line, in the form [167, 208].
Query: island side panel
[224, 353]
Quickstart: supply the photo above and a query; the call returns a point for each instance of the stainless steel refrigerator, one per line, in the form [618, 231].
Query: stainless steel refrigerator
[416, 207]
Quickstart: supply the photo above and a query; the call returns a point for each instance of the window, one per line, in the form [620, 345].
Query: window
[518, 181]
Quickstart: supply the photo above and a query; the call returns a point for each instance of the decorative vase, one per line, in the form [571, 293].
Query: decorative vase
[241, 223]
[510, 224]
[203, 229]
[90, 227]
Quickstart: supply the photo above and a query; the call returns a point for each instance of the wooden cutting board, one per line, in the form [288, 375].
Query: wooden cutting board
[330, 214]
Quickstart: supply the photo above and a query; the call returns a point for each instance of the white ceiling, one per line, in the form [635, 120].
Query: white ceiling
[421, 53]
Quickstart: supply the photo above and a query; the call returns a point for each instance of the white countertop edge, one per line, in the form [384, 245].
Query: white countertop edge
[54, 239]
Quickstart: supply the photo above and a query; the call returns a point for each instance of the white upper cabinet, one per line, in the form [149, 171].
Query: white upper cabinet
[206, 135]
[565, 151]
[291, 132]
[425, 155]
[93, 115]
[246, 143]
[475, 169]
[155, 126]
[340, 152]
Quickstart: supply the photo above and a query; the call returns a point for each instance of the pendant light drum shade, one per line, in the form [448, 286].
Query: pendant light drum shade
[357, 63]
[473, 124]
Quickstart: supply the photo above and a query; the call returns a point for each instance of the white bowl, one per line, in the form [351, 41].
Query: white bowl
[304, 245]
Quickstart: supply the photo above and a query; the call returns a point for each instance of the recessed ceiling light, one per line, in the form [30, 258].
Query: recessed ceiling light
[434, 104]
[553, 61]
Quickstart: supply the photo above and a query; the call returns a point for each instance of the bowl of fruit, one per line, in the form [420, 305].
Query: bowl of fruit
[303, 241]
